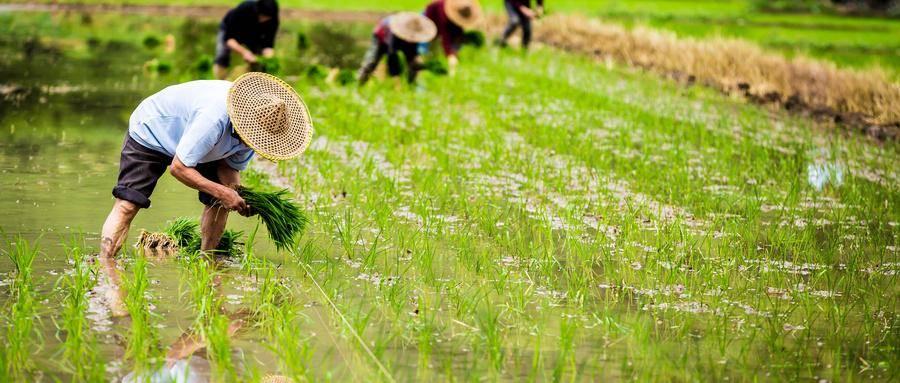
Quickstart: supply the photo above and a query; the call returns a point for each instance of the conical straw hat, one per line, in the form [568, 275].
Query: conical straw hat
[269, 116]
[465, 13]
[412, 27]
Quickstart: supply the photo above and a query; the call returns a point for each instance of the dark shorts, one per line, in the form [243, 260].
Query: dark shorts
[140, 169]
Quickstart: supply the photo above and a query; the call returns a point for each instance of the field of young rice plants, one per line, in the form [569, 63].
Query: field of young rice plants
[538, 217]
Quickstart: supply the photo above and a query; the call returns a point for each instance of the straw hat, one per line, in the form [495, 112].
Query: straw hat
[465, 13]
[412, 27]
[269, 116]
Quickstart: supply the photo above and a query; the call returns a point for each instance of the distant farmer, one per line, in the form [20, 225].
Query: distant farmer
[452, 18]
[205, 133]
[396, 34]
[520, 15]
[248, 30]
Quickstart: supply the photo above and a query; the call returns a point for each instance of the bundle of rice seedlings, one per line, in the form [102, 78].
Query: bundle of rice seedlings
[282, 217]
[230, 243]
[183, 235]
[156, 241]
[184, 231]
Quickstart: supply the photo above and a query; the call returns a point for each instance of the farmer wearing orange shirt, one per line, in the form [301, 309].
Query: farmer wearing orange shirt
[452, 18]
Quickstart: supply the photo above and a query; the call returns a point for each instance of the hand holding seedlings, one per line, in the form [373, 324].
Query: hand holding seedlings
[231, 200]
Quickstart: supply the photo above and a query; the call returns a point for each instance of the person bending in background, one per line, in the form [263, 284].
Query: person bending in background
[249, 29]
[452, 18]
[520, 15]
[402, 32]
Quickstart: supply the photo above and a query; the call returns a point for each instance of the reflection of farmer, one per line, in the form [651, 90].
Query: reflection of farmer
[205, 133]
[452, 17]
[400, 33]
[520, 15]
[248, 30]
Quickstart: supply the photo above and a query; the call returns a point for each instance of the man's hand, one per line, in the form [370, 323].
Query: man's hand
[249, 57]
[527, 12]
[228, 197]
[452, 62]
[233, 201]
[268, 52]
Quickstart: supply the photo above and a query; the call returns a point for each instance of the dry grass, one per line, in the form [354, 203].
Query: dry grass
[733, 66]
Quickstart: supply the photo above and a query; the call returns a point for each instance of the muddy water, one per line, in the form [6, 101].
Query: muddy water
[67, 85]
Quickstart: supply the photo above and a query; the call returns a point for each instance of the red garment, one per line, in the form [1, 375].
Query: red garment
[451, 34]
[382, 30]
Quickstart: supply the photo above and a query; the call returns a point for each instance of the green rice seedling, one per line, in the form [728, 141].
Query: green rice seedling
[274, 312]
[20, 335]
[488, 322]
[185, 232]
[143, 340]
[217, 334]
[80, 351]
[565, 356]
[211, 323]
[474, 38]
[230, 244]
[283, 218]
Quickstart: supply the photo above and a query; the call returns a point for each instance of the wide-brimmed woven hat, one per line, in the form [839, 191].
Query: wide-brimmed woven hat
[269, 116]
[465, 13]
[412, 27]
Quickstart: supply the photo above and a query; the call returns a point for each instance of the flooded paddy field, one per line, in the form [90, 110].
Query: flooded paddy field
[537, 217]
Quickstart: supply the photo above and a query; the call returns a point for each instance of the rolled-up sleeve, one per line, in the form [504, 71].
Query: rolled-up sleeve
[239, 161]
[198, 140]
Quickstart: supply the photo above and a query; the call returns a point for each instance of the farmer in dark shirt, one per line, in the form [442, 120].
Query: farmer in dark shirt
[248, 30]
[452, 18]
[520, 15]
[398, 33]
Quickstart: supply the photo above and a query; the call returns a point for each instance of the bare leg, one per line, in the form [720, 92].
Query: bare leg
[212, 225]
[114, 233]
[220, 72]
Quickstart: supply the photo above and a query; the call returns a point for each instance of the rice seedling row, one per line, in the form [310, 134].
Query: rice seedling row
[80, 352]
[19, 336]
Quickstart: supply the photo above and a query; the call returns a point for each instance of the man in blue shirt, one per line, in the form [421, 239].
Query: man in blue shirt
[205, 133]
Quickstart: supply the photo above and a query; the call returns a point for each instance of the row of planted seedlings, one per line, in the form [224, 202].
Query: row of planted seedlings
[704, 268]
[20, 313]
[485, 275]
[802, 253]
[77, 292]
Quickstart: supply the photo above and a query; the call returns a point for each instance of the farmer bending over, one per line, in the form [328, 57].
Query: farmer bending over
[400, 33]
[452, 18]
[248, 30]
[205, 133]
[520, 15]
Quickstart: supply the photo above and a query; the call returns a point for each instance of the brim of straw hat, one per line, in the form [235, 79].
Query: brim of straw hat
[454, 8]
[273, 143]
[412, 27]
